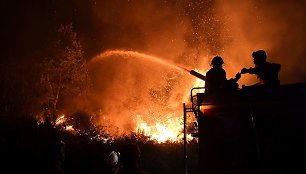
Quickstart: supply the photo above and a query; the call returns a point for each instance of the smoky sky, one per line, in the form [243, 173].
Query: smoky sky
[190, 33]
[183, 32]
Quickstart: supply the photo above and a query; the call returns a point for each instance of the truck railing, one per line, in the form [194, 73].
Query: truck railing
[193, 98]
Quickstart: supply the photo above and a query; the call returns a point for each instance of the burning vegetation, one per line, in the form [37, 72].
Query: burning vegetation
[107, 70]
[119, 103]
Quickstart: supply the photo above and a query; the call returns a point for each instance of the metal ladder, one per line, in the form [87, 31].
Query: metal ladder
[194, 109]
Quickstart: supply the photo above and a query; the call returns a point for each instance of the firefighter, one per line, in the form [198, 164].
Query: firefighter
[216, 78]
[266, 72]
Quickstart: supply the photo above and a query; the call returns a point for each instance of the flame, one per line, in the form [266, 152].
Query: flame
[69, 128]
[169, 130]
[60, 120]
[165, 126]
[162, 132]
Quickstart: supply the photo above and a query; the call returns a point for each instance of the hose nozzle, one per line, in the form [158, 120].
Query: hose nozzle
[198, 75]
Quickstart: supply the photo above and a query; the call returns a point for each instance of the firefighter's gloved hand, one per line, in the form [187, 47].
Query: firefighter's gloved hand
[244, 70]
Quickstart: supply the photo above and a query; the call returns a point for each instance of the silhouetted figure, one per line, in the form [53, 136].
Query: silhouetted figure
[266, 72]
[216, 78]
[130, 160]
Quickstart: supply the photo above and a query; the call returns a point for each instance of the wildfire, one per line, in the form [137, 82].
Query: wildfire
[170, 130]
[60, 120]
[162, 133]
[167, 128]
[70, 128]
[166, 125]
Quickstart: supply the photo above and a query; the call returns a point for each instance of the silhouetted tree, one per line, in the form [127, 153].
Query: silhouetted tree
[64, 72]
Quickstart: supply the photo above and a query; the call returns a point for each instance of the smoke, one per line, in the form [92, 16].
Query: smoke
[187, 33]
[130, 86]
[275, 26]
[127, 88]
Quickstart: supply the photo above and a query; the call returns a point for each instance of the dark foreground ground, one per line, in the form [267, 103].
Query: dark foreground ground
[30, 148]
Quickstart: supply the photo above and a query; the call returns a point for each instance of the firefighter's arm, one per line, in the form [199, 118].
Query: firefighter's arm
[250, 71]
[244, 71]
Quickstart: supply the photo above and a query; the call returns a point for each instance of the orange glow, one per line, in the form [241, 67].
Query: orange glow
[70, 128]
[60, 120]
[162, 130]
[152, 107]
[136, 54]
[144, 99]
[141, 79]
[167, 128]
[199, 83]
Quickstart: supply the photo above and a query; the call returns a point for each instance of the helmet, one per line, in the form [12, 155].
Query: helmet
[260, 54]
[217, 61]
[113, 158]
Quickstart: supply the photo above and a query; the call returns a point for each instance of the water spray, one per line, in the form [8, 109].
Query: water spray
[161, 130]
[135, 54]
[145, 56]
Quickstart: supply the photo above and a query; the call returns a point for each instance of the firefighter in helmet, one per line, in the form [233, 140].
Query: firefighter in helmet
[216, 78]
[266, 72]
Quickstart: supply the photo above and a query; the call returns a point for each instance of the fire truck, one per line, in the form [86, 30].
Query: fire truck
[250, 130]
